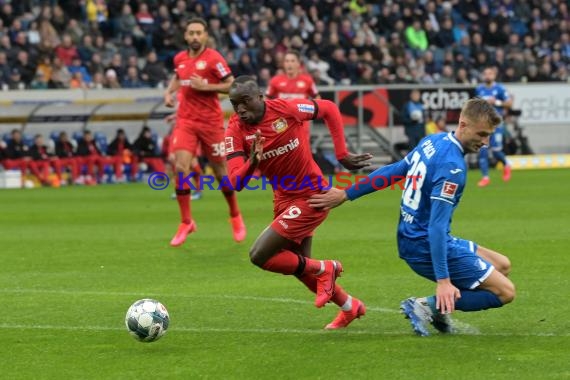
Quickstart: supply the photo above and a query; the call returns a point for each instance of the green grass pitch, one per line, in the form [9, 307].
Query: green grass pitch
[74, 259]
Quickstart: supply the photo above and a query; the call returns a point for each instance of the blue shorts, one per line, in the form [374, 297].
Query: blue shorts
[466, 269]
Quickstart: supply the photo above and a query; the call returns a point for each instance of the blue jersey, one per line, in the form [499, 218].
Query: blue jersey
[497, 91]
[435, 173]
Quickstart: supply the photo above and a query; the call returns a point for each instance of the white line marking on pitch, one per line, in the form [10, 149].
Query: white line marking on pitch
[220, 296]
[258, 330]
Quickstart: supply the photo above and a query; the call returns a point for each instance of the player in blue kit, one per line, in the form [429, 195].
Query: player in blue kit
[496, 95]
[469, 277]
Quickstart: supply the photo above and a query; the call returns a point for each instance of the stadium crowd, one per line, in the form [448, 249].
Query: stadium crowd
[130, 44]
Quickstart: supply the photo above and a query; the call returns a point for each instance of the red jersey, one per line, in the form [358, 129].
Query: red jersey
[300, 87]
[201, 106]
[287, 159]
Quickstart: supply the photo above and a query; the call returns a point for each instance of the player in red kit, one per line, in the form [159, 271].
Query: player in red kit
[293, 84]
[200, 74]
[273, 132]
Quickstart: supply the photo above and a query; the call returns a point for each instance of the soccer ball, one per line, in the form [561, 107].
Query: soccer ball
[147, 320]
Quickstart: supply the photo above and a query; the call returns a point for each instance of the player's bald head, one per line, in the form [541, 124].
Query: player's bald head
[245, 84]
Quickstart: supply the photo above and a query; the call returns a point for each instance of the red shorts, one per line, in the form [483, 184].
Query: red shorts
[189, 135]
[296, 220]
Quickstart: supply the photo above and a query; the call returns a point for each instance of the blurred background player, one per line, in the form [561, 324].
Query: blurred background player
[200, 74]
[413, 119]
[42, 161]
[122, 149]
[273, 132]
[469, 277]
[91, 155]
[147, 152]
[168, 157]
[17, 154]
[293, 83]
[496, 95]
[65, 151]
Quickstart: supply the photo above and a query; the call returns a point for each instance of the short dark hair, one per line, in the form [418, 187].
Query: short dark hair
[294, 52]
[245, 80]
[197, 20]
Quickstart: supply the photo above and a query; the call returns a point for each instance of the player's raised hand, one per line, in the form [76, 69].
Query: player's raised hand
[332, 198]
[168, 100]
[356, 161]
[197, 82]
[446, 294]
[257, 148]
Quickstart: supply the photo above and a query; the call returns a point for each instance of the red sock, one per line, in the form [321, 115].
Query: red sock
[340, 295]
[312, 266]
[232, 202]
[284, 262]
[310, 281]
[183, 198]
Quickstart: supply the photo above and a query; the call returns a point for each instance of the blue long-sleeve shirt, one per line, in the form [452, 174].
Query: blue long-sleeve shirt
[435, 175]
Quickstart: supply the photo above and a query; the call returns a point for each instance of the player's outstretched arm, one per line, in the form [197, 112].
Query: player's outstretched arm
[198, 83]
[332, 198]
[377, 180]
[333, 119]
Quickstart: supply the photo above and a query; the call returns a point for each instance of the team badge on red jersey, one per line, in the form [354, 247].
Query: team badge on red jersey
[301, 84]
[449, 189]
[201, 65]
[279, 125]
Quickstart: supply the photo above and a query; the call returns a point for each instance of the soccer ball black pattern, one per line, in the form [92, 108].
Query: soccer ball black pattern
[147, 320]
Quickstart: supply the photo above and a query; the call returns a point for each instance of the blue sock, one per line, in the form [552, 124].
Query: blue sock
[500, 156]
[431, 302]
[484, 161]
[475, 300]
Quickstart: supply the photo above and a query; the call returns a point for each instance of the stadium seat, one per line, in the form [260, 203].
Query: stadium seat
[54, 135]
[28, 140]
[77, 136]
[101, 141]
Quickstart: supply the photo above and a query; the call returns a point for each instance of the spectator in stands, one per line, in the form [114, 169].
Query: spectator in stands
[416, 37]
[126, 22]
[145, 21]
[147, 151]
[436, 126]
[15, 81]
[154, 72]
[117, 65]
[78, 67]
[66, 51]
[111, 80]
[4, 70]
[133, 79]
[26, 68]
[413, 119]
[40, 82]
